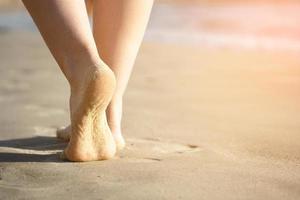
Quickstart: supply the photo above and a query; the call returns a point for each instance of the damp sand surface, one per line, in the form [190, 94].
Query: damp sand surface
[201, 122]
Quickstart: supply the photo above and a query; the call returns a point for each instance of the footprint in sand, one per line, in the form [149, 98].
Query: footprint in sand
[151, 150]
[137, 150]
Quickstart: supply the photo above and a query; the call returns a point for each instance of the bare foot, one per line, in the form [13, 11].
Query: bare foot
[120, 142]
[64, 133]
[90, 137]
[114, 115]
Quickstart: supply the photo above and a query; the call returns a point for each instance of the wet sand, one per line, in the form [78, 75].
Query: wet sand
[200, 123]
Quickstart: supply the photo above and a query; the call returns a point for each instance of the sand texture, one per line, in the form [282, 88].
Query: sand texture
[200, 123]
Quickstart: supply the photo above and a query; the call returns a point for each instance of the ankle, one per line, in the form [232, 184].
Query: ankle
[114, 115]
[76, 65]
[78, 72]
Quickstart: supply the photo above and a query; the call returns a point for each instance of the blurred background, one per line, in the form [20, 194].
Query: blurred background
[269, 24]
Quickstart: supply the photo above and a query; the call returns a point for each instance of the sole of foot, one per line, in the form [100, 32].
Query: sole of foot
[64, 133]
[90, 138]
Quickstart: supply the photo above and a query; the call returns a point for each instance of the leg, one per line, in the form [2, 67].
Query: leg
[119, 27]
[65, 28]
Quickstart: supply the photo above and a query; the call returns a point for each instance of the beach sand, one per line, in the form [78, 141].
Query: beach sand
[200, 123]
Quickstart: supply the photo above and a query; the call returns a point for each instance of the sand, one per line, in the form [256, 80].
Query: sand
[200, 123]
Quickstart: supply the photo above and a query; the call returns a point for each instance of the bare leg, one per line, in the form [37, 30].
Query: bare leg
[119, 27]
[65, 28]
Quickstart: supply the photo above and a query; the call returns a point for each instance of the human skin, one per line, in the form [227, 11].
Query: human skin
[65, 28]
[95, 94]
[118, 29]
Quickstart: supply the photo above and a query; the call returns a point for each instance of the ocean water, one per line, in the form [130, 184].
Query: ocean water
[252, 26]
[256, 26]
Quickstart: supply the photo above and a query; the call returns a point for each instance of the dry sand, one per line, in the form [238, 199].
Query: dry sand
[200, 123]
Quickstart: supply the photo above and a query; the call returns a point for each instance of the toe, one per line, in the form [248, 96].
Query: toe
[63, 156]
[63, 133]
